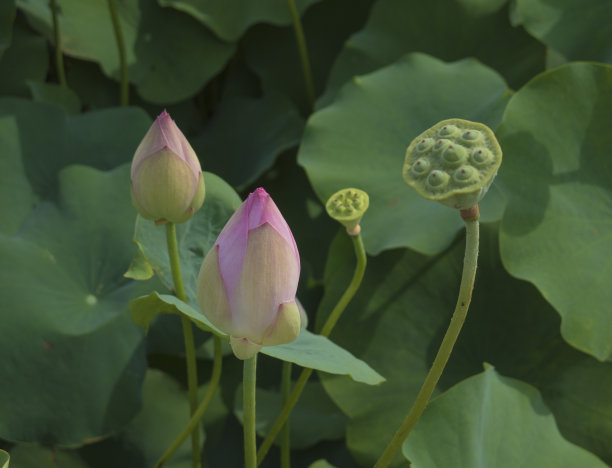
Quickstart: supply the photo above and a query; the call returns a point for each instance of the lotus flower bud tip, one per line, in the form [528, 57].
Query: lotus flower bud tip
[167, 183]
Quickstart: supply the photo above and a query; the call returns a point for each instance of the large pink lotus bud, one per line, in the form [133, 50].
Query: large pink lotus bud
[247, 283]
[167, 182]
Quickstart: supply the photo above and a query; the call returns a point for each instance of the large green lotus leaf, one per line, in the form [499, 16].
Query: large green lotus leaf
[64, 317]
[578, 29]
[490, 420]
[308, 350]
[246, 135]
[272, 52]
[7, 16]
[33, 455]
[145, 309]
[360, 141]
[26, 58]
[397, 321]
[164, 414]
[315, 418]
[231, 23]
[318, 352]
[49, 139]
[170, 56]
[94, 88]
[195, 237]
[447, 29]
[17, 199]
[4, 459]
[558, 175]
[55, 94]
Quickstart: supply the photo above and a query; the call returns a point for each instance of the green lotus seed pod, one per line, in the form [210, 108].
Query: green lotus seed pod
[347, 206]
[458, 168]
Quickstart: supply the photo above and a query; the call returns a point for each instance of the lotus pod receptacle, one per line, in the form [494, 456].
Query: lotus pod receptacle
[453, 162]
[347, 206]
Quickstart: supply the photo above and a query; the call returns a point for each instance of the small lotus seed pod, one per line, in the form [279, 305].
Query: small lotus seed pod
[458, 168]
[354, 203]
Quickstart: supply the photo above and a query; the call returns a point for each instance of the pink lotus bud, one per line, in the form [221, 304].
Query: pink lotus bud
[167, 181]
[247, 283]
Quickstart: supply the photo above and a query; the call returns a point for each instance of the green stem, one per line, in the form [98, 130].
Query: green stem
[301, 40]
[248, 382]
[59, 57]
[192, 371]
[463, 302]
[199, 413]
[325, 331]
[286, 431]
[331, 321]
[112, 5]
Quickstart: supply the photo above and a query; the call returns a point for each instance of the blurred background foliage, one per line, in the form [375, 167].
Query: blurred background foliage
[81, 384]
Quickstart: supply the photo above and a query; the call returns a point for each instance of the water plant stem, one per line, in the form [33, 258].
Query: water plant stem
[59, 57]
[199, 413]
[303, 50]
[285, 455]
[328, 326]
[248, 383]
[192, 372]
[444, 352]
[112, 6]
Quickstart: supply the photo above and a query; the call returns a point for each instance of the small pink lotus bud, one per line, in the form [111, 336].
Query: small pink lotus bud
[167, 181]
[247, 283]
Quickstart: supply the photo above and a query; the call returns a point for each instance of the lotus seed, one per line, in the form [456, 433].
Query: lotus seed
[424, 145]
[470, 136]
[481, 156]
[420, 167]
[448, 131]
[437, 179]
[454, 155]
[440, 144]
[463, 174]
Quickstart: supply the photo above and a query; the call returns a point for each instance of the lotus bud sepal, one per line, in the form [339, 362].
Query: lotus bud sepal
[167, 184]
